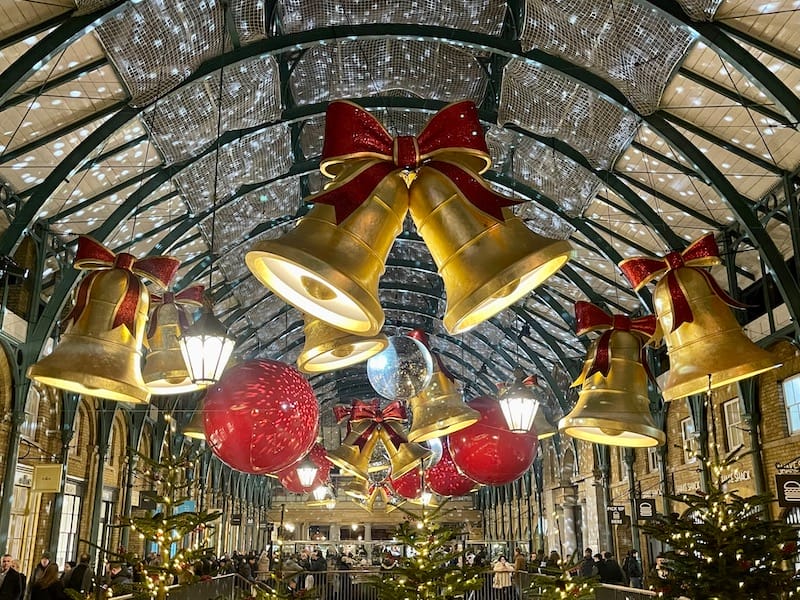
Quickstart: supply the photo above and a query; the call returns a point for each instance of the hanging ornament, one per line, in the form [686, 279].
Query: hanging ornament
[445, 479]
[261, 417]
[367, 425]
[542, 420]
[329, 349]
[435, 446]
[290, 478]
[438, 409]
[164, 369]
[705, 343]
[487, 451]
[613, 406]
[402, 370]
[409, 486]
[100, 353]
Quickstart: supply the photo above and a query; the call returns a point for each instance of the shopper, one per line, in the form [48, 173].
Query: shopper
[48, 585]
[10, 581]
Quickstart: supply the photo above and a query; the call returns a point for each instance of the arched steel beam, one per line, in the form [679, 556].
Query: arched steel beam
[757, 73]
[50, 45]
[764, 46]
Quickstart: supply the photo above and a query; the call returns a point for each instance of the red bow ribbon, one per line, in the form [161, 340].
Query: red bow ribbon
[590, 317]
[452, 140]
[701, 253]
[369, 417]
[191, 296]
[93, 256]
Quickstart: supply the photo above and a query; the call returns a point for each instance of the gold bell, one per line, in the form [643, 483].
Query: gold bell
[439, 409]
[196, 427]
[542, 425]
[352, 460]
[328, 349]
[94, 358]
[486, 265]
[614, 410]
[164, 369]
[404, 457]
[358, 489]
[713, 344]
[331, 270]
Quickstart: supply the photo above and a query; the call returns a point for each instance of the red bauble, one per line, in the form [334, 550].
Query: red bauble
[261, 416]
[288, 476]
[409, 486]
[444, 477]
[487, 451]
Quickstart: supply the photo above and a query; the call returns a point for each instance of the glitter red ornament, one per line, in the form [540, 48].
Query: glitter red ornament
[409, 486]
[291, 480]
[488, 452]
[261, 417]
[445, 479]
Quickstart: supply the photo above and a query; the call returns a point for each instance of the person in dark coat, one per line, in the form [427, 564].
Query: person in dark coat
[10, 581]
[118, 579]
[610, 571]
[48, 586]
[81, 578]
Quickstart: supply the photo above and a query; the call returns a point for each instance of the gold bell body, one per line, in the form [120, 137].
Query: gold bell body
[486, 265]
[329, 349]
[330, 270]
[614, 410]
[350, 458]
[439, 409]
[164, 369]
[713, 344]
[92, 358]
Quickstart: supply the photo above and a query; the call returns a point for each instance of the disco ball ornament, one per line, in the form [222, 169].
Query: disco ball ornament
[436, 448]
[291, 480]
[487, 451]
[408, 486]
[445, 479]
[402, 370]
[261, 417]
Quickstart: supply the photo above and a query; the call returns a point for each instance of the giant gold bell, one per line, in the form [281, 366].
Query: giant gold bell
[328, 348]
[713, 344]
[486, 265]
[92, 358]
[405, 456]
[542, 425]
[350, 458]
[331, 271]
[164, 369]
[439, 409]
[615, 410]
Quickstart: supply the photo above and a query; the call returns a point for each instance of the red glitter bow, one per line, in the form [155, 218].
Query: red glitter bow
[590, 317]
[701, 253]
[93, 256]
[451, 140]
[191, 296]
[369, 417]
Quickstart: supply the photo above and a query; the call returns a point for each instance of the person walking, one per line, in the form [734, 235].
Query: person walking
[520, 565]
[610, 571]
[48, 585]
[11, 587]
[81, 578]
[501, 582]
[633, 569]
[588, 567]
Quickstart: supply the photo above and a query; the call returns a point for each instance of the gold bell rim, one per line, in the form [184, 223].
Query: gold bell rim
[274, 264]
[160, 384]
[597, 430]
[483, 303]
[700, 384]
[442, 428]
[321, 358]
[98, 387]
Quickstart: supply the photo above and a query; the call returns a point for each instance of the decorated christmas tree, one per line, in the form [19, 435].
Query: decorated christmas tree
[724, 546]
[170, 524]
[433, 566]
[564, 585]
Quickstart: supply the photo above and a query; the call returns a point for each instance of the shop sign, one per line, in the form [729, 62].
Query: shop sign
[645, 508]
[789, 468]
[686, 488]
[788, 487]
[47, 478]
[616, 514]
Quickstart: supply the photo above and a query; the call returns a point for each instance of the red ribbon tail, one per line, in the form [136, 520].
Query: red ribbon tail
[473, 188]
[126, 313]
[722, 294]
[395, 434]
[352, 193]
[681, 311]
[601, 362]
[364, 436]
[81, 298]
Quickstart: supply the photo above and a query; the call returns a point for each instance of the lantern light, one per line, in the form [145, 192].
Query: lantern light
[306, 472]
[519, 404]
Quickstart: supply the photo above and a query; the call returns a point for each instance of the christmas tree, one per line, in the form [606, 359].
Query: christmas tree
[168, 526]
[565, 585]
[434, 566]
[724, 546]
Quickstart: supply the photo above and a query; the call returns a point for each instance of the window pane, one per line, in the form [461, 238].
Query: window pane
[791, 395]
[689, 441]
[734, 428]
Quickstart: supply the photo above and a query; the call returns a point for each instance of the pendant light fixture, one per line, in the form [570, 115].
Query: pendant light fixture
[307, 472]
[519, 403]
[206, 345]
